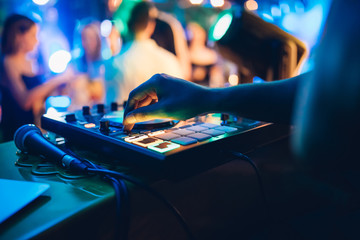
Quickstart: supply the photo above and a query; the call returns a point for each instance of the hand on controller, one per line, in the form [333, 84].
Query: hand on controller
[163, 96]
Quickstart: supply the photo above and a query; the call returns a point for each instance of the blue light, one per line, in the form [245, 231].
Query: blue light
[305, 26]
[285, 8]
[59, 101]
[106, 53]
[291, 22]
[275, 11]
[268, 17]
[59, 60]
[40, 2]
[56, 104]
[299, 7]
[105, 28]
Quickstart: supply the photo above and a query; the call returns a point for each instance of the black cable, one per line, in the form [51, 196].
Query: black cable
[121, 224]
[257, 172]
[121, 196]
[106, 172]
[171, 207]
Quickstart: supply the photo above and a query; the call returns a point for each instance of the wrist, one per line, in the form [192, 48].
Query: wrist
[212, 98]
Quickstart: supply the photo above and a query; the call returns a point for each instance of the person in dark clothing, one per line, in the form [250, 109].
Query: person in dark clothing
[23, 90]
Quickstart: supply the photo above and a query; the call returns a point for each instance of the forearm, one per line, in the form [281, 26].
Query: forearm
[272, 101]
[40, 92]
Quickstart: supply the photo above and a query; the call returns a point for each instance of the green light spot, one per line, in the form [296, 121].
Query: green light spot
[221, 26]
[164, 147]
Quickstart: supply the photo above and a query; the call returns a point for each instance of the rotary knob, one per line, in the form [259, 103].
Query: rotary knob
[114, 106]
[100, 108]
[86, 110]
[70, 117]
[104, 125]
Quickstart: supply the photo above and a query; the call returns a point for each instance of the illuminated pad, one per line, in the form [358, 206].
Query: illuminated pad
[197, 128]
[135, 138]
[163, 147]
[184, 140]
[183, 132]
[156, 133]
[199, 136]
[226, 129]
[209, 125]
[213, 132]
[168, 136]
[147, 141]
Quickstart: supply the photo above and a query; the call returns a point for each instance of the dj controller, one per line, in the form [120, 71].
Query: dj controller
[164, 145]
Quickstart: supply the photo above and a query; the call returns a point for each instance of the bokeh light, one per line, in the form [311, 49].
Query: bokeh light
[59, 60]
[196, 2]
[221, 26]
[40, 2]
[251, 5]
[105, 28]
[217, 3]
[233, 79]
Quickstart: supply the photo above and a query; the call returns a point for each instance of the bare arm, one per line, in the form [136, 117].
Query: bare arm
[27, 98]
[167, 97]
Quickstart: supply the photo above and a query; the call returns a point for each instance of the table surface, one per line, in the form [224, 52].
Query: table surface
[64, 198]
[218, 203]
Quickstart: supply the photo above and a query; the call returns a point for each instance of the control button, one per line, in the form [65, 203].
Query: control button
[197, 128]
[89, 125]
[147, 141]
[70, 117]
[168, 136]
[100, 108]
[114, 106]
[163, 147]
[226, 129]
[213, 132]
[152, 134]
[86, 110]
[184, 140]
[209, 125]
[183, 132]
[104, 125]
[224, 117]
[185, 126]
[135, 138]
[199, 136]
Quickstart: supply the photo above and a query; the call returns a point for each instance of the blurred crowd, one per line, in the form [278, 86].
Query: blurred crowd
[157, 43]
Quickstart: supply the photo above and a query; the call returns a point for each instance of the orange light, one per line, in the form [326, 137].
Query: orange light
[233, 79]
[89, 125]
[113, 5]
[251, 5]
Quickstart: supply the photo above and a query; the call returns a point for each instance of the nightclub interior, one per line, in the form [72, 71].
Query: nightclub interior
[179, 119]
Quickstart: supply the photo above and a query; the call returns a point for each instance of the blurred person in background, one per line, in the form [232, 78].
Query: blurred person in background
[206, 62]
[140, 58]
[23, 90]
[87, 88]
[170, 34]
[114, 41]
